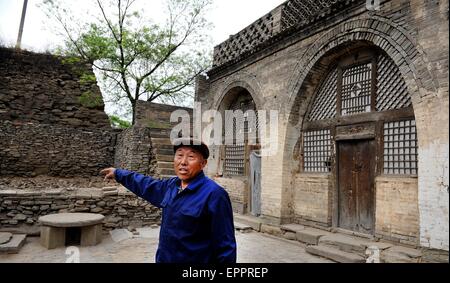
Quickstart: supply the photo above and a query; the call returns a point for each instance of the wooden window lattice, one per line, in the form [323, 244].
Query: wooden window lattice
[392, 92]
[400, 148]
[324, 105]
[317, 151]
[357, 89]
[235, 160]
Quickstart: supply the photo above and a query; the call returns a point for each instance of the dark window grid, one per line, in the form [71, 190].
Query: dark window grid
[400, 148]
[317, 151]
[234, 160]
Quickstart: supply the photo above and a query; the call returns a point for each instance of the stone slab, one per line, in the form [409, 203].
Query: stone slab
[119, 235]
[345, 243]
[335, 254]
[242, 227]
[292, 227]
[310, 235]
[71, 219]
[5, 237]
[14, 245]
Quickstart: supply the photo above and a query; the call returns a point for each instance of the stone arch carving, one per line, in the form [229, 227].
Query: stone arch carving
[378, 31]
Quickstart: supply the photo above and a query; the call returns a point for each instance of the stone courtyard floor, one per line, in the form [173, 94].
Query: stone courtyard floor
[253, 247]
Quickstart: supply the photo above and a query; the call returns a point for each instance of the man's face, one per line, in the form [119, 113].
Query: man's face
[188, 163]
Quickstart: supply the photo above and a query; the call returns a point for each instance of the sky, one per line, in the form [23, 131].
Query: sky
[227, 16]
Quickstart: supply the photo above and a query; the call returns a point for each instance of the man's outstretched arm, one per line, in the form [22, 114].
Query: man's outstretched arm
[145, 187]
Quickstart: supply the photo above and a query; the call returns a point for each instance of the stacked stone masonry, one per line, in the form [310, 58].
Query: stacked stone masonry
[121, 208]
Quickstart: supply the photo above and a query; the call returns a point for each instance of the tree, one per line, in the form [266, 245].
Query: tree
[135, 57]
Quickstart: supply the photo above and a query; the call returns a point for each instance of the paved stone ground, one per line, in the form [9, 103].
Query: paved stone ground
[252, 248]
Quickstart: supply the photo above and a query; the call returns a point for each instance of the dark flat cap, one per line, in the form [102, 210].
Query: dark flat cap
[192, 143]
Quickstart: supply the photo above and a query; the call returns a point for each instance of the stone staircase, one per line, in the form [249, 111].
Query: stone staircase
[163, 150]
[339, 246]
[344, 248]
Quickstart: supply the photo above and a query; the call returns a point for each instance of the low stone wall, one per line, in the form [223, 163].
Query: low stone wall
[29, 149]
[121, 208]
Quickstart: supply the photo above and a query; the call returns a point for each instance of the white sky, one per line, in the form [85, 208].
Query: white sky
[227, 16]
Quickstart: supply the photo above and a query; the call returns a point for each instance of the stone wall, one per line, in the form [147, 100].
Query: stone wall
[42, 89]
[33, 149]
[134, 151]
[21, 209]
[52, 118]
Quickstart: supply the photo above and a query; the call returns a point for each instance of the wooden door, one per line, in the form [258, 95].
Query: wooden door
[255, 174]
[356, 193]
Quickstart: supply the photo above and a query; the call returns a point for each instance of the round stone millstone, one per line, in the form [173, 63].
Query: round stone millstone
[5, 238]
[71, 219]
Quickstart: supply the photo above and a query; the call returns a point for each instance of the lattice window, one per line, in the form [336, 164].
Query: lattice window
[234, 160]
[324, 105]
[392, 91]
[317, 151]
[400, 148]
[357, 89]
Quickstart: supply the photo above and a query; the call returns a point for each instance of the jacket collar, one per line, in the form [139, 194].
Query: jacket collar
[195, 183]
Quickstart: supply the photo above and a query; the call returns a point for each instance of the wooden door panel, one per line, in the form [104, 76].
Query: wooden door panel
[356, 186]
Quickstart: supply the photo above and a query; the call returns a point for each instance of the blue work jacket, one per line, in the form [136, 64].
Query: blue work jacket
[197, 224]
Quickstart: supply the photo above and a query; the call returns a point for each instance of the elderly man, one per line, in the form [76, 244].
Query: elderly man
[197, 218]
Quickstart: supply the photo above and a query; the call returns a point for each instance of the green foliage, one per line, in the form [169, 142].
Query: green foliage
[87, 79]
[116, 122]
[90, 100]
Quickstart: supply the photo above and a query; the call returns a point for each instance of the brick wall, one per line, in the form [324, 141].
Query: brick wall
[397, 210]
[284, 74]
[238, 191]
[312, 198]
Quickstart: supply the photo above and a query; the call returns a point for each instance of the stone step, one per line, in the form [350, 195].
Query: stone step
[164, 151]
[345, 243]
[161, 141]
[335, 254]
[311, 236]
[163, 147]
[160, 133]
[398, 254]
[165, 165]
[14, 244]
[243, 228]
[164, 158]
[251, 221]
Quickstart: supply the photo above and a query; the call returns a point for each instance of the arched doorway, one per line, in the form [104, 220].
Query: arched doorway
[236, 154]
[360, 124]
